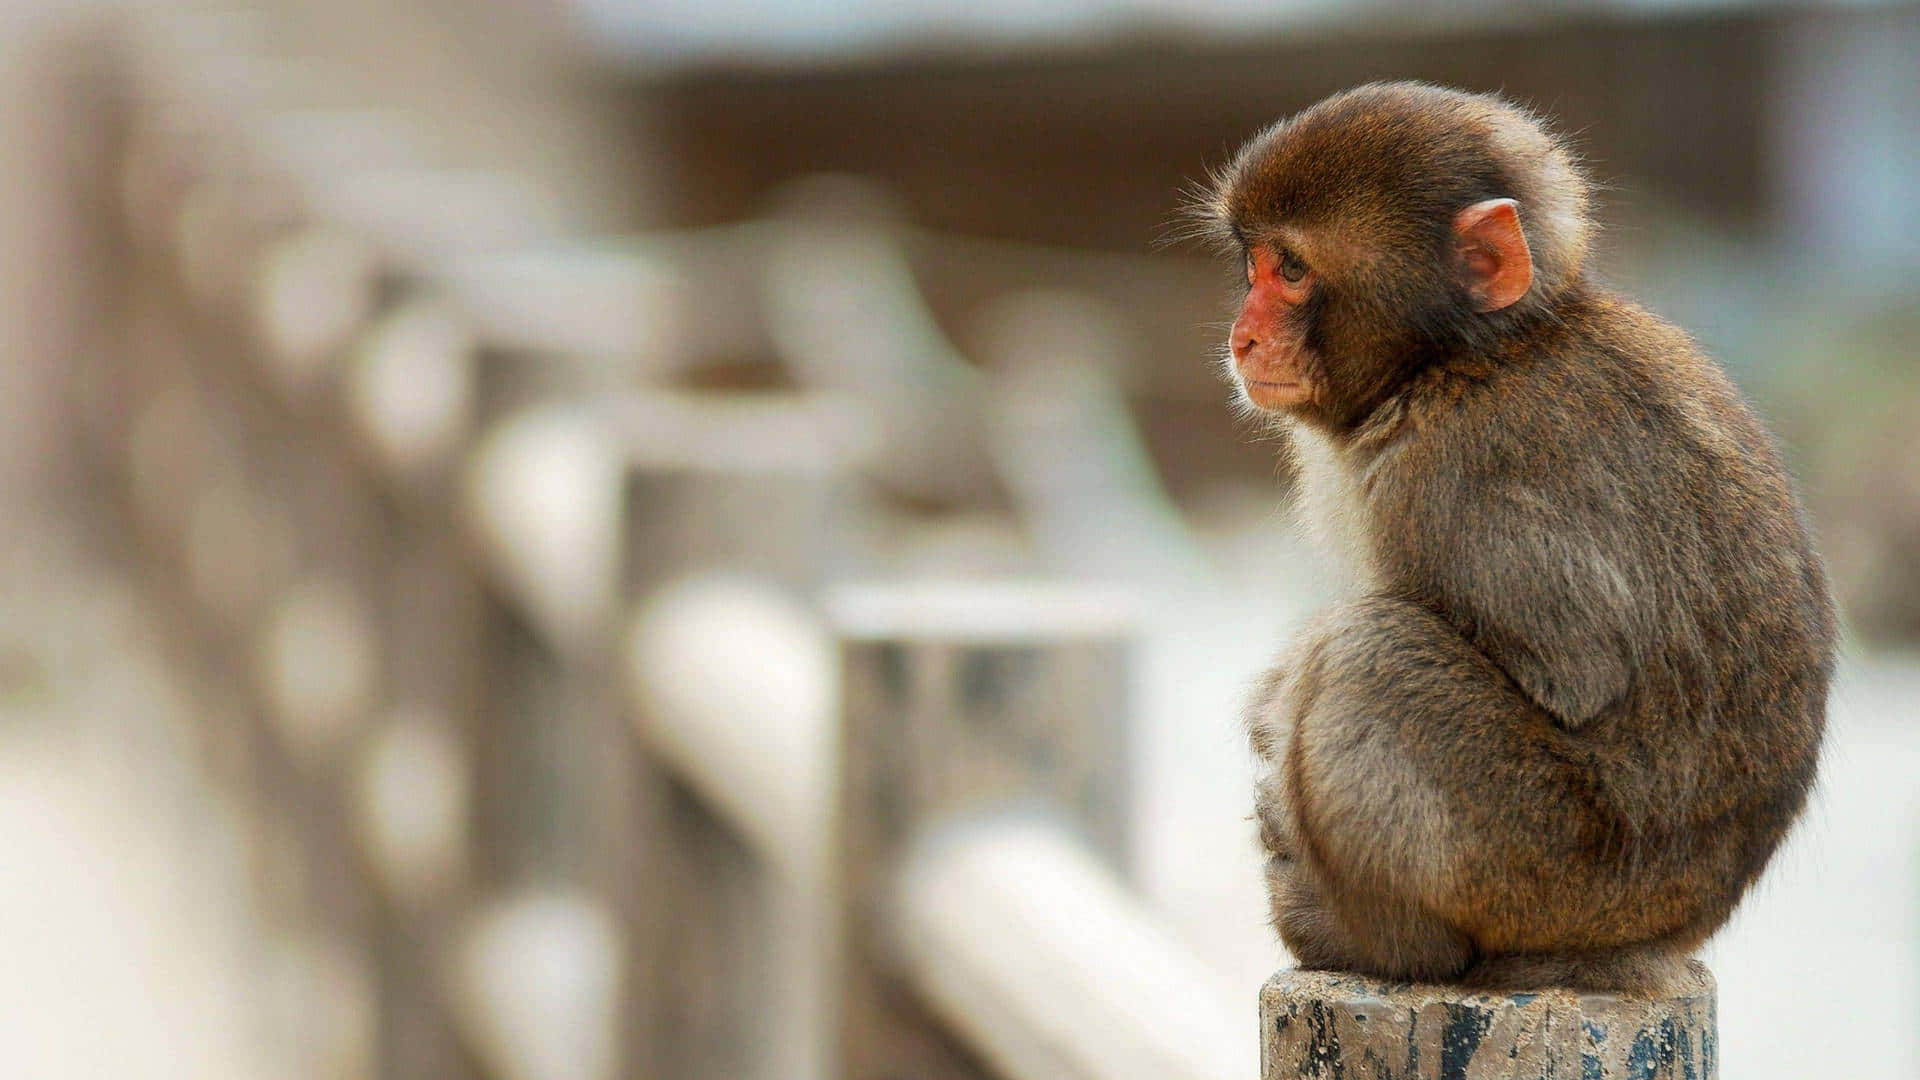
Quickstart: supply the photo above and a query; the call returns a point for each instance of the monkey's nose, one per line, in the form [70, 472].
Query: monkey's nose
[1240, 342]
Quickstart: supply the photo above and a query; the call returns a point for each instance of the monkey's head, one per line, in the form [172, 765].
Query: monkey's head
[1386, 226]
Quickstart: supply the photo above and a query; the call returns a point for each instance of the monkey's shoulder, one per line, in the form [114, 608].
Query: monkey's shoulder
[1613, 445]
[1607, 386]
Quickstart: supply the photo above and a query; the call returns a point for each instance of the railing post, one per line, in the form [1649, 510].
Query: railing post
[732, 690]
[734, 502]
[561, 810]
[1316, 1024]
[959, 699]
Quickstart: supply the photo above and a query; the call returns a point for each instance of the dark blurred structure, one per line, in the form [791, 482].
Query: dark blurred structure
[1087, 146]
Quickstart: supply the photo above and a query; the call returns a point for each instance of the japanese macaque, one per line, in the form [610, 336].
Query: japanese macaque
[1577, 696]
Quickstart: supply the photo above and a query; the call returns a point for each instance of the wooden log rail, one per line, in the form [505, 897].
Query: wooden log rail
[1031, 951]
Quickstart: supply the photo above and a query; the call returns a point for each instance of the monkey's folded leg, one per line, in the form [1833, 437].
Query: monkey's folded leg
[1428, 805]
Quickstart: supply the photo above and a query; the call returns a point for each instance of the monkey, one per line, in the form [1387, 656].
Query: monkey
[1574, 695]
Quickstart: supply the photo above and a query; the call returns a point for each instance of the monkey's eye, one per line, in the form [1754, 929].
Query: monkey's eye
[1291, 268]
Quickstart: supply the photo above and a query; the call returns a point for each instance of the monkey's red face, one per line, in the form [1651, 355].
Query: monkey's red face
[1269, 339]
[1377, 231]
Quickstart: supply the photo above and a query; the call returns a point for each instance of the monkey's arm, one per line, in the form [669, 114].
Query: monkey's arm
[1551, 610]
[1543, 576]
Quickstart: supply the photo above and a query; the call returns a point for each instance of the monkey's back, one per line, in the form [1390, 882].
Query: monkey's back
[1664, 591]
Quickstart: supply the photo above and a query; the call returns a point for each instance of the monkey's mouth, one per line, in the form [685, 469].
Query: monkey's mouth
[1272, 393]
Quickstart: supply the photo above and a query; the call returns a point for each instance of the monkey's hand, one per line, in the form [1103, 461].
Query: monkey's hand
[1269, 720]
[1274, 817]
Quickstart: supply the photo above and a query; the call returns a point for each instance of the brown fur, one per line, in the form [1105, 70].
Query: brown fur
[1582, 697]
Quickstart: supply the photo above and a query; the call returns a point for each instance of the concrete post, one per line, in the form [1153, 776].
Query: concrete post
[1317, 1024]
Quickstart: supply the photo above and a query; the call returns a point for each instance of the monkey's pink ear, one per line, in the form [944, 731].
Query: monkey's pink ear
[1493, 253]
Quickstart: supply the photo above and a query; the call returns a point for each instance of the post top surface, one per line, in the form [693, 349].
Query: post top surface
[982, 611]
[1340, 986]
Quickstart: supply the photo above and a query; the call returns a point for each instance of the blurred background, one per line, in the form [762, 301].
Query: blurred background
[594, 538]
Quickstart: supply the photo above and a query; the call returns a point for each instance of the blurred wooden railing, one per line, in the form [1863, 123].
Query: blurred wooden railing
[600, 726]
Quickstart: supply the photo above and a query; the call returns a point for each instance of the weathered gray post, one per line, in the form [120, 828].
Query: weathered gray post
[959, 699]
[730, 498]
[1316, 1024]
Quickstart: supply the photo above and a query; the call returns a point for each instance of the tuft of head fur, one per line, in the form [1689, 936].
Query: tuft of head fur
[1387, 165]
